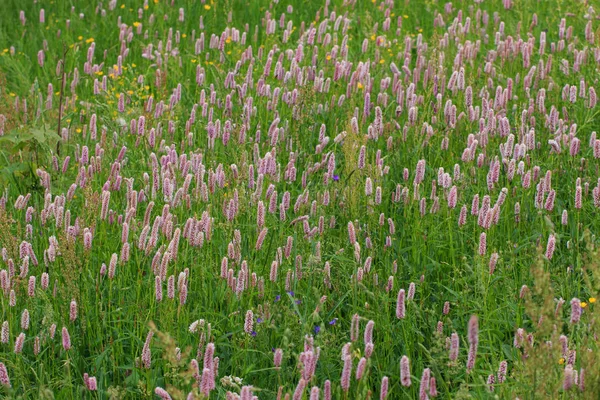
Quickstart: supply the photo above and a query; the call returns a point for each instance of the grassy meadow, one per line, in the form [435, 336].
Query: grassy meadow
[285, 199]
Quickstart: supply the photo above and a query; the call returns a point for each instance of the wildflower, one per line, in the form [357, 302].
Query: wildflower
[4, 378]
[550, 247]
[25, 320]
[405, 372]
[400, 307]
[146, 351]
[502, 371]
[424, 387]
[261, 238]
[4, 333]
[482, 243]
[19, 343]
[351, 233]
[299, 392]
[369, 332]
[490, 382]
[66, 339]
[162, 393]
[568, 378]
[249, 322]
[575, 310]
[277, 358]
[384, 388]
[92, 384]
[73, 310]
[454, 345]
[346, 371]
[473, 338]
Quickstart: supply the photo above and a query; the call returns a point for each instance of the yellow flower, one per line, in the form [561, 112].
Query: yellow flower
[5, 51]
[228, 40]
[359, 85]
[12, 94]
[405, 16]
[79, 37]
[592, 300]
[328, 57]
[146, 7]
[184, 35]
[381, 61]
[90, 40]
[583, 304]
[122, 6]
[78, 130]
[133, 65]
[372, 37]
[136, 24]
[206, 7]
[130, 92]
[561, 361]
[99, 73]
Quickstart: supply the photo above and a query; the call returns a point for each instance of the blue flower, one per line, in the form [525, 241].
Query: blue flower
[291, 293]
[333, 321]
[253, 333]
[259, 320]
[277, 298]
[298, 301]
[317, 329]
[336, 178]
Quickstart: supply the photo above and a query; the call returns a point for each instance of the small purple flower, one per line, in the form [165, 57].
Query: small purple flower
[253, 333]
[291, 293]
[298, 301]
[259, 320]
[317, 329]
[277, 298]
[336, 178]
[333, 321]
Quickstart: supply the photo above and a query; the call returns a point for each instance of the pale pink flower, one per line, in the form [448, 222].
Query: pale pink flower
[405, 372]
